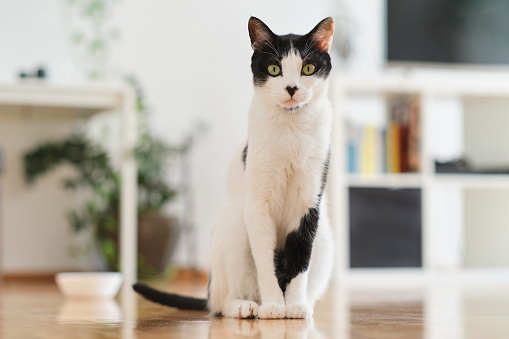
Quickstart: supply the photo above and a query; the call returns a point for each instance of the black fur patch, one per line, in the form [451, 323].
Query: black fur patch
[296, 254]
[275, 49]
[244, 156]
[325, 173]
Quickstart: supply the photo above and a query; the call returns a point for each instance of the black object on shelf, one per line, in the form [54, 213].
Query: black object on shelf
[39, 73]
[385, 228]
[462, 166]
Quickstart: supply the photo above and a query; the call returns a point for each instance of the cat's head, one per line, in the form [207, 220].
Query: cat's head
[290, 68]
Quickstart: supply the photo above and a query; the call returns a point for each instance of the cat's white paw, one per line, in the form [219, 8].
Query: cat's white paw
[242, 309]
[272, 311]
[247, 310]
[299, 311]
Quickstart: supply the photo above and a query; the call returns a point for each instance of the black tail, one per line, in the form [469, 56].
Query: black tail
[172, 300]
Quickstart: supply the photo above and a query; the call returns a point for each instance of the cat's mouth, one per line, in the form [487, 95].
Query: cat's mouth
[295, 108]
[291, 105]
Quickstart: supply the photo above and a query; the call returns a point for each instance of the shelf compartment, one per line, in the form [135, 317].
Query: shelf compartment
[486, 228]
[385, 228]
[382, 134]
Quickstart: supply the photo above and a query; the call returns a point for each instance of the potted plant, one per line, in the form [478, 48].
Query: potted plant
[158, 233]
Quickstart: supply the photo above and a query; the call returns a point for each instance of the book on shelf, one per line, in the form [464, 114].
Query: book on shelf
[392, 148]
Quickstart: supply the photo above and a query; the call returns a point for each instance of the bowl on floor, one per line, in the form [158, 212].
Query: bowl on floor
[89, 284]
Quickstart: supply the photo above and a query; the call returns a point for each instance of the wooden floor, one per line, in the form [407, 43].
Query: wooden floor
[37, 310]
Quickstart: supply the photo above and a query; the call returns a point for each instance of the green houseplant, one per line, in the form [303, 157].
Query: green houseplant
[157, 232]
[92, 36]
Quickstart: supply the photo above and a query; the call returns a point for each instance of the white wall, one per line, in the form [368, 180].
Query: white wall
[35, 232]
[32, 34]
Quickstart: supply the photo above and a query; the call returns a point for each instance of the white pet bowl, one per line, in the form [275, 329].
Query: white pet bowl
[89, 284]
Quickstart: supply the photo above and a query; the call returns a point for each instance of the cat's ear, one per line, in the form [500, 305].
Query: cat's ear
[259, 33]
[322, 34]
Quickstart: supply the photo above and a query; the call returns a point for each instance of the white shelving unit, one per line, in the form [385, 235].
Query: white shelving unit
[343, 87]
[92, 99]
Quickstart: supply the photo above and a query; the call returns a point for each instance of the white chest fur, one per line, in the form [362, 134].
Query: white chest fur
[286, 156]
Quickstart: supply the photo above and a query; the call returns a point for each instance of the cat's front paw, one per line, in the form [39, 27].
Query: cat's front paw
[247, 310]
[242, 309]
[299, 311]
[272, 311]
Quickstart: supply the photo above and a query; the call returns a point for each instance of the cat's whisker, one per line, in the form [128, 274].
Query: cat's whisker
[272, 47]
[307, 50]
[275, 57]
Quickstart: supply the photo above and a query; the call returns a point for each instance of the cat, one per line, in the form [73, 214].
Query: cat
[271, 253]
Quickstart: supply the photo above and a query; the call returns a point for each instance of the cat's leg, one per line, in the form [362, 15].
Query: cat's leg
[322, 259]
[242, 299]
[233, 288]
[309, 258]
[297, 254]
[262, 238]
[297, 306]
[218, 275]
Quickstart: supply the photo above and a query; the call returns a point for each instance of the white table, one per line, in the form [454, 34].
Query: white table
[94, 98]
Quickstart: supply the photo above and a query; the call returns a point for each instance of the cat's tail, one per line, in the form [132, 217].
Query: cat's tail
[172, 300]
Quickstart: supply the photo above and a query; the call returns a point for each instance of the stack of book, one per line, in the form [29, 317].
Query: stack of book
[393, 148]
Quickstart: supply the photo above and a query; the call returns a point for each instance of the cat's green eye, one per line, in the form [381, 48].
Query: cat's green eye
[308, 69]
[274, 70]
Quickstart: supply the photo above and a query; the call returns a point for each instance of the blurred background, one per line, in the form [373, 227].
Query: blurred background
[421, 155]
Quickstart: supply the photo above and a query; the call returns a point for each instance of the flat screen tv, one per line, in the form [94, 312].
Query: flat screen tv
[473, 32]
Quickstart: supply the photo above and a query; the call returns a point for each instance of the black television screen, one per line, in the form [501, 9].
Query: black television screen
[448, 31]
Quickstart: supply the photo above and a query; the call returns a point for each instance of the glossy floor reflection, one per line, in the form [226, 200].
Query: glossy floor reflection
[39, 311]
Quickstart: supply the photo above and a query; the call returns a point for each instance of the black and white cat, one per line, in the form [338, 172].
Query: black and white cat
[271, 254]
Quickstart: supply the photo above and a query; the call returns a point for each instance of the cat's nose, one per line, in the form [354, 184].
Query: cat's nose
[292, 90]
